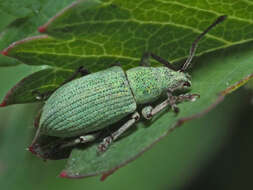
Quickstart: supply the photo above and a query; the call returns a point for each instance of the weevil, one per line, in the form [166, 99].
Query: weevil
[82, 107]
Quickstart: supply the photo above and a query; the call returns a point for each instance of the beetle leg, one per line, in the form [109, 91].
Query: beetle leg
[146, 57]
[102, 147]
[81, 140]
[148, 112]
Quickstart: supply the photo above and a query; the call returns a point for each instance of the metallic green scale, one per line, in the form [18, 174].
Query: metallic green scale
[95, 101]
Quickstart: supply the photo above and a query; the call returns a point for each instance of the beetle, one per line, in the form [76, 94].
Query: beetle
[82, 107]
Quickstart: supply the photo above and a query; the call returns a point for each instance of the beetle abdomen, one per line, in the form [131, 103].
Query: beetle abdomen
[88, 104]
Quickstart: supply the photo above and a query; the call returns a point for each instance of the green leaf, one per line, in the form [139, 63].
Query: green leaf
[116, 30]
[102, 33]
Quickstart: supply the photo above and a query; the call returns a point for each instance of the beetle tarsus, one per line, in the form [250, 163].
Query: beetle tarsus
[102, 147]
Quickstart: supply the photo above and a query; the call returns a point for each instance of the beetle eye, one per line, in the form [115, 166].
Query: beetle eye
[187, 84]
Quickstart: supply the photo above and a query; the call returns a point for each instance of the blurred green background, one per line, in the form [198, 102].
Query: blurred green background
[213, 152]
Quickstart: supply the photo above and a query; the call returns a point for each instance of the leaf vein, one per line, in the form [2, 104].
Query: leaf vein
[210, 11]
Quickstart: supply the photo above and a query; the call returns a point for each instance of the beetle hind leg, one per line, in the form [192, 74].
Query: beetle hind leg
[103, 146]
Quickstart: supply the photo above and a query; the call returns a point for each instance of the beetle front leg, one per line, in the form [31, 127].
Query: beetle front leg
[148, 112]
[102, 147]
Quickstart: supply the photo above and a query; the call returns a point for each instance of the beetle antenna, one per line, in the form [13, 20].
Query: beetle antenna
[195, 43]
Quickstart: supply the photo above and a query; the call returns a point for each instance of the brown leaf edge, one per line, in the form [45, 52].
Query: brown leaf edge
[179, 123]
[43, 28]
[5, 52]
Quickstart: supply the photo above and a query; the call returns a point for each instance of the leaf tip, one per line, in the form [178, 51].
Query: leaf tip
[5, 52]
[3, 104]
[32, 150]
[105, 175]
[63, 174]
[42, 29]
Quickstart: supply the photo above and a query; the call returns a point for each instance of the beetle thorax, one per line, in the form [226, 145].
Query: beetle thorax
[149, 83]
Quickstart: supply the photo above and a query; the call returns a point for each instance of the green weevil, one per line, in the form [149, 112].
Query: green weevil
[83, 107]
